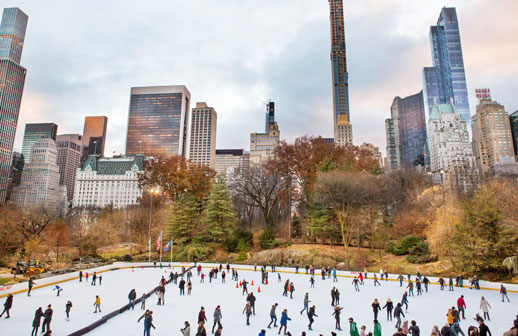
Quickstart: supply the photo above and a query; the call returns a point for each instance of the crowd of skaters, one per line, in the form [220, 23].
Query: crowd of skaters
[451, 328]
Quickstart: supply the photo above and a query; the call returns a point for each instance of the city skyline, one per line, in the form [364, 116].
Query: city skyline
[383, 62]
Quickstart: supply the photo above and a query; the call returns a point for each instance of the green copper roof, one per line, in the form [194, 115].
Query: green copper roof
[442, 109]
[114, 166]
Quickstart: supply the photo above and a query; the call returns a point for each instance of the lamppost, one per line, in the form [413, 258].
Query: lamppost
[152, 192]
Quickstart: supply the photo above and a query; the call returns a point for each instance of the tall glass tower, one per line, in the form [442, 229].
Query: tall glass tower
[342, 122]
[445, 82]
[12, 80]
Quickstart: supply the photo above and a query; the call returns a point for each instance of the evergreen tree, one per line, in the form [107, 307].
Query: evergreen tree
[220, 216]
[184, 216]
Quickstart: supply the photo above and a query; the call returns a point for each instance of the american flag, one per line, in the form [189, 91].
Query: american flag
[159, 242]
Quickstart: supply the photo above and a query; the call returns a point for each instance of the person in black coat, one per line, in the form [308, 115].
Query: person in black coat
[389, 305]
[311, 313]
[446, 330]
[376, 308]
[36, 322]
[8, 304]
[483, 330]
[47, 318]
[131, 297]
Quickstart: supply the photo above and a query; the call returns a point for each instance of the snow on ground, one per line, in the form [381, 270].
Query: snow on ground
[428, 310]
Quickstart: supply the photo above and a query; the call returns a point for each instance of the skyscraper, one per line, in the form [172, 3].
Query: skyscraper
[342, 121]
[202, 147]
[446, 80]
[451, 156]
[492, 140]
[15, 176]
[513, 118]
[69, 156]
[34, 132]
[39, 186]
[158, 121]
[406, 132]
[94, 136]
[12, 80]
[230, 161]
[262, 145]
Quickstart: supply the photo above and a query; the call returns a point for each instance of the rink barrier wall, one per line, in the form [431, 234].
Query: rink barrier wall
[121, 310]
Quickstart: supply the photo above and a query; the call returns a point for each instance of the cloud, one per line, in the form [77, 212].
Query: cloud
[83, 57]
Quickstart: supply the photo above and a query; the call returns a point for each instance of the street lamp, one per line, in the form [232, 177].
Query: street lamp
[152, 192]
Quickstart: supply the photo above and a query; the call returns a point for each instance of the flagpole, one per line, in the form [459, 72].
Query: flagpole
[171, 257]
[161, 246]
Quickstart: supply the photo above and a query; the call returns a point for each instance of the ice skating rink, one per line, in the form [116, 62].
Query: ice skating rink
[427, 310]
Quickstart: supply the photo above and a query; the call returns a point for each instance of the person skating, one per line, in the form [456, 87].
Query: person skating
[223, 275]
[97, 304]
[30, 283]
[503, 291]
[306, 304]
[418, 287]
[353, 328]
[360, 277]
[186, 330]
[450, 284]
[426, 282]
[47, 318]
[336, 313]
[376, 308]
[273, 316]
[94, 279]
[148, 322]
[131, 297]
[8, 304]
[100, 280]
[455, 328]
[389, 305]
[143, 302]
[333, 296]
[80, 276]
[461, 305]
[404, 301]
[312, 282]
[68, 306]
[86, 277]
[335, 279]
[435, 331]
[247, 311]
[292, 289]
[363, 328]
[284, 321]
[219, 330]
[262, 332]
[485, 306]
[483, 329]
[181, 285]
[377, 328]
[244, 284]
[189, 287]
[37, 321]
[356, 284]
[441, 282]
[414, 329]
[286, 287]
[311, 314]
[251, 298]
[217, 317]
[376, 280]
[400, 277]
[410, 287]
[201, 316]
[398, 312]
[57, 289]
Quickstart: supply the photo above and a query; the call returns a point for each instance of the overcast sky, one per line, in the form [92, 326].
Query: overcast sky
[82, 57]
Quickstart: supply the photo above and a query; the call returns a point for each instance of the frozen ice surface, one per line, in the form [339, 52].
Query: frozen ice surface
[428, 310]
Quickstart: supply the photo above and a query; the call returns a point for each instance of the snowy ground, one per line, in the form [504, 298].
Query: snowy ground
[428, 310]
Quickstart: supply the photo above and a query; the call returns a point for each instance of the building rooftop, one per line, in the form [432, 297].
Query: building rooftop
[114, 166]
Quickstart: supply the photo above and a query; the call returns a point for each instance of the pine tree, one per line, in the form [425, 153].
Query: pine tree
[220, 216]
[184, 216]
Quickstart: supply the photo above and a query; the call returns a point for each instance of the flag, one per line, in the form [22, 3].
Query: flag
[168, 246]
[158, 243]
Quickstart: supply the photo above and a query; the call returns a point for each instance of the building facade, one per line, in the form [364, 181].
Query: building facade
[374, 151]
[451, 157]
[406, 132]
[33, 133]
[15, 177]
[262, 145]
[94, 136]
[158, 121]
[39, 186]
[342, 120]
[101, 182]
[12, 81]
[446, 80]
[69, 156]
[232, 161]
[492, 139]
[202, 147]
[513, 119]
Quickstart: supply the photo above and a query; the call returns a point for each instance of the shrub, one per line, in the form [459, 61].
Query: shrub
[200, 251]
[267, 240]
[238, 237]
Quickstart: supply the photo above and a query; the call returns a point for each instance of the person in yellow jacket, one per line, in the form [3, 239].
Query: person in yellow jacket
[451, 317]
[97, 304]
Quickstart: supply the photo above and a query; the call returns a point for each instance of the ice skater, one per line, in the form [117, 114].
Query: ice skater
[312, 282]
[37, 321]
[292, 289]
[404, 301]
[30, 283]
[335, 279]
[306, 303]
[311, 314]
[336, 313]
[217, 317]
[57, 289]
[503, 291]
[337, 297]
[131, 297]
[97, 304]
[8, 304]
[201, 316]
[68, 306]
[461, 306]
[389, 305]
[353, 328]
[247, 311]
[333, 296]
[376, 308]
[273, 316]
[375, 277]
[485, 306]
[94, 279]
[181, 285]
[398, 312]
[47, 318]
[186, 331]
[356, 284]
[284, 321]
